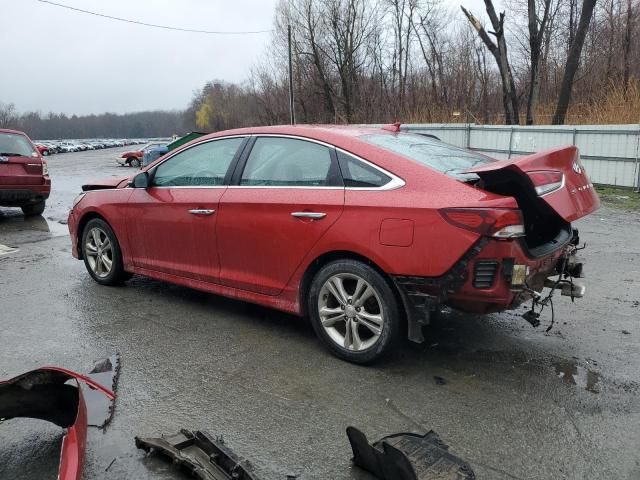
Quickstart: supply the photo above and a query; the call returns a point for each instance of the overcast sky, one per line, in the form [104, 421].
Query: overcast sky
[54, 59]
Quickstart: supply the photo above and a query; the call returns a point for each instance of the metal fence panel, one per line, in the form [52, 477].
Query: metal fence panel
[610, 153]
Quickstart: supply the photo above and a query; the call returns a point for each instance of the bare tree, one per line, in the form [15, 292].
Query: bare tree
[537, 27]
[573, 61]
[499, 52]
[8, 117]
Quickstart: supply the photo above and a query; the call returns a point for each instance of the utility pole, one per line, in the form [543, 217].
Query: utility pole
[292, 113]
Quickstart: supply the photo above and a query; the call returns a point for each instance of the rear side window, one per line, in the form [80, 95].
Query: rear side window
[358, 174]
[433, 153]
[203, 165]
[15, 145]
[285, 162]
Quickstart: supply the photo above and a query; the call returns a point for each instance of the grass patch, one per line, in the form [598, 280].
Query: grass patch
[623, 198]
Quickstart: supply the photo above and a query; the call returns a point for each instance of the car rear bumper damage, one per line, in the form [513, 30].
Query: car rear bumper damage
[492, 276]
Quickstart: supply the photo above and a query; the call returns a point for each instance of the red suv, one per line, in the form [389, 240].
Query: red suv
[361, 229]
[24, 175]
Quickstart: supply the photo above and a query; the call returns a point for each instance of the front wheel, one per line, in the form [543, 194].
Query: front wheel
[354, 311]
[102, 254]
[134, 162]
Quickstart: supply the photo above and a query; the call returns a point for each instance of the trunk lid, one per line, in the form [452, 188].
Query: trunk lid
[574, 195]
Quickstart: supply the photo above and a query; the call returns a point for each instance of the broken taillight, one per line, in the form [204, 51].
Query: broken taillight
[494, 222]
[546, 181]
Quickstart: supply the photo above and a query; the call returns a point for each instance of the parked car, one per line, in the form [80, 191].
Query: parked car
[361, 229]
[43, 149]
[24, 175]
[134, 157]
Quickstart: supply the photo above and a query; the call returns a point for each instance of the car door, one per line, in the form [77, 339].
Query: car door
[171, 224]
[286, 194]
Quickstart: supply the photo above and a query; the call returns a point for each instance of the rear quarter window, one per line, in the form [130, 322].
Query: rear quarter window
[357, 174]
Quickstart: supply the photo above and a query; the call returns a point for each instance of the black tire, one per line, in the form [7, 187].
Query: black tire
[45, 153]
[387, 307]
[134, 162]
[33, 209]
[116, 274]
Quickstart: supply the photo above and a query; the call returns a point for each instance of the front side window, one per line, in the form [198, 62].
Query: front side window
[360, 175]
[203, 165]
[276, 161]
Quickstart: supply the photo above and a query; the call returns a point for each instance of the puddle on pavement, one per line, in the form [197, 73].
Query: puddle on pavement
[571, 373]
[14, 222]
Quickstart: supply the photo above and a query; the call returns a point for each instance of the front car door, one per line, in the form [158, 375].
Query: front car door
[172, 223]
[285, 196]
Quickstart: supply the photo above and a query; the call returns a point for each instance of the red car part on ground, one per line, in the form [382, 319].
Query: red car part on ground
[45, 394]
[260, 214]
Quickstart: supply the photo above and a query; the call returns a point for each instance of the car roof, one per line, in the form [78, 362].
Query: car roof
[334, 134]
[16, 132]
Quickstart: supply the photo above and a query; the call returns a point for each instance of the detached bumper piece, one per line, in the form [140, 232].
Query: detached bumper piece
[200, 454]
[408, 456]
[60, 396]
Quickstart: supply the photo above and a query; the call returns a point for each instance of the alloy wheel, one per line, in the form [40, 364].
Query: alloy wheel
[350, 311]
[99, 252]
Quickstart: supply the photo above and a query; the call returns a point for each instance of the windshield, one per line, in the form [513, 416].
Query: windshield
[14, 145]
[433, 153]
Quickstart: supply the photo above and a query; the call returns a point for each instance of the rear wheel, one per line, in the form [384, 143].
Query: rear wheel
[102, 254]
[134, 162]
[33, 209]
[354, 311]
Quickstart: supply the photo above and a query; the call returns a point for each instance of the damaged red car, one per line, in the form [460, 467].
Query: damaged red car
[361, 229]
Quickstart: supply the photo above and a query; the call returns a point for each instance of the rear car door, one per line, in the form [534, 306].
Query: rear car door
[171, 224]
[286, 193]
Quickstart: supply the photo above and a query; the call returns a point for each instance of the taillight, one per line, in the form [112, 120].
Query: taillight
[546, 181]
[45, 169]
[494, 222]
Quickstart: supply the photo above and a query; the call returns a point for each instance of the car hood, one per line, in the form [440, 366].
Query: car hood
[106, 183]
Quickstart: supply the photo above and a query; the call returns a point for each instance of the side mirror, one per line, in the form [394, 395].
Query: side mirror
[141, 180]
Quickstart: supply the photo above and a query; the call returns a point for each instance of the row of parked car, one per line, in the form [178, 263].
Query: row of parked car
[50, 147]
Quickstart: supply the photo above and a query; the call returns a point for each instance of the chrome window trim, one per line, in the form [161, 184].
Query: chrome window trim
[297, 187]
[394, 183]
[191, 186]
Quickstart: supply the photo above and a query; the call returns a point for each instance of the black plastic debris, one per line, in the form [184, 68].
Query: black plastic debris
[200, 454]
[408, 456]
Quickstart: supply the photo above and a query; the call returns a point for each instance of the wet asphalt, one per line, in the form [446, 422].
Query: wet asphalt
[514, 401]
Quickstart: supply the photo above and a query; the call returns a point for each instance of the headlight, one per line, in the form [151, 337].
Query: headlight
[78, 198]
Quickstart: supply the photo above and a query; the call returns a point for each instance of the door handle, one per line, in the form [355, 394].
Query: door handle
[311, 215]
[199, 211]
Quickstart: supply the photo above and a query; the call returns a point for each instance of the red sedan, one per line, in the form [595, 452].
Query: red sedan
[361, 229]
